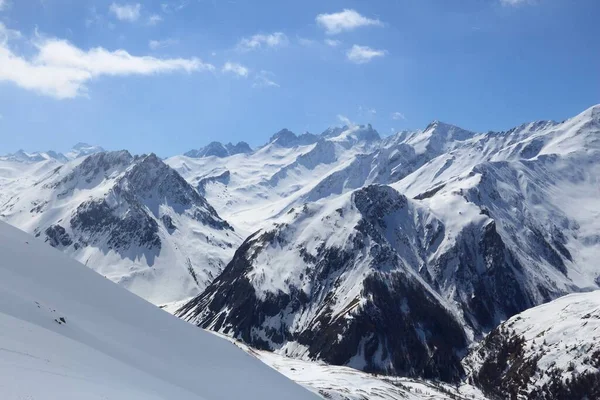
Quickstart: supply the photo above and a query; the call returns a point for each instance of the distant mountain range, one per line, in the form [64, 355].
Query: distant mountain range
[392, 255]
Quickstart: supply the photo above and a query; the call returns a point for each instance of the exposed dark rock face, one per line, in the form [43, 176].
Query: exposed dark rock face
[507, 372]
[128, 214]
[57, 236]
[94, 219]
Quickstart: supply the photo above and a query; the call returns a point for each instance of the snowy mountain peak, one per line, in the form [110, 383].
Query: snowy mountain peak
[82, 149]
[218, 149]
[79, 150]
[287, 138]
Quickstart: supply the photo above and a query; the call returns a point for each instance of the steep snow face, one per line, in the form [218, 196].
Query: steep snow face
[132, 219]
[547, 352]
[253, 188]
[69, 333]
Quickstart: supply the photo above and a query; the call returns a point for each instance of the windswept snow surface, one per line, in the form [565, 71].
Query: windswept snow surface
[68, 333]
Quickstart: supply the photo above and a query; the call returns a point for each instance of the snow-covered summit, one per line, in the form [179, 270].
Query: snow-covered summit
[218, 149]
[79, 150]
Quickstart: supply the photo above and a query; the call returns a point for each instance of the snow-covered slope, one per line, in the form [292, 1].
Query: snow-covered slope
[547, 352]
[132, 219]
[68, 333]
[473, 229]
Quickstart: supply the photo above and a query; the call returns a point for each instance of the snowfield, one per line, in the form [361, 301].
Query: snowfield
[68, 333]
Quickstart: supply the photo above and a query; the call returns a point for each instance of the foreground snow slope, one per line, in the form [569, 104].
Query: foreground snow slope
[68, 333]
[548, 352]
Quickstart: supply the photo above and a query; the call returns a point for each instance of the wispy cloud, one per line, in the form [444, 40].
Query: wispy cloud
[61, 70]
[168, 8]
[264, 79]
[367, 111]
[346, 20]
[236, 69]
[258, 41]
[398, 116]
[154, 19]
[332, 42]
[363, 54]
[3, 4]
[126, 12]
[161, 44]
[513, 3]
[345, 120]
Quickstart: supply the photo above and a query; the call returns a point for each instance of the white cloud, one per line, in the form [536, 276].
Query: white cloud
[332, 42]
[346, 20]
[161, 44]
[264, 79]
[126, 12]
[363, 54]
[3, 4]
[345, 120]
[398, 116]
[61, 70]
[154, 19]
[235, 68]
[276, 39]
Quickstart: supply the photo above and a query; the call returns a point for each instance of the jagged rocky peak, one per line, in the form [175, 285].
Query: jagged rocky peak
[96, 167]
[150, 180]
[239, 148]
[287, 138]
[366, 133]
[218, 149]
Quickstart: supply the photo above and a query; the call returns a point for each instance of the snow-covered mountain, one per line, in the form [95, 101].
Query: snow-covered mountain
[132, 219]
[218, 149]
[68, 333]
[79, 150]
[449, 233]
[252, 188]
[548, 352]
[392, 255]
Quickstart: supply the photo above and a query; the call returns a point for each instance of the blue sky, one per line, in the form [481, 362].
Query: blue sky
[168, 76]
